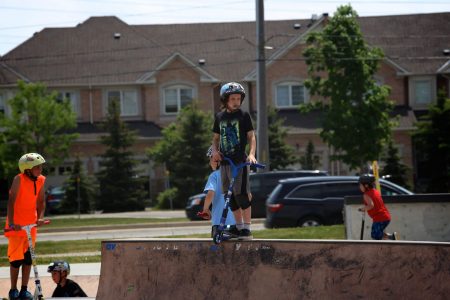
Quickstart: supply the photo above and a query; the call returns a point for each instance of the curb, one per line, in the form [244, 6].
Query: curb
[131, 226]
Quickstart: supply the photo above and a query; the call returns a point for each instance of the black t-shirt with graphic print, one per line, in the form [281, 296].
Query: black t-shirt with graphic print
[232, 129]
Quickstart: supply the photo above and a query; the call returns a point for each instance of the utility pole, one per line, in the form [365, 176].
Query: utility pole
[262, 148]
[78, 196]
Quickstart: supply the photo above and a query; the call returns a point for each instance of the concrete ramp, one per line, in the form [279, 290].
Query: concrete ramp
[273, 269]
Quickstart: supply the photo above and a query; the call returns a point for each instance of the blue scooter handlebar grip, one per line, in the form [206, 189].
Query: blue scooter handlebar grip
[259, 166]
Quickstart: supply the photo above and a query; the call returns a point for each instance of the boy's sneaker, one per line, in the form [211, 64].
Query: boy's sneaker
[394, 236]
[233, 232]
[245, 235]
[13, 294]
[25, 295]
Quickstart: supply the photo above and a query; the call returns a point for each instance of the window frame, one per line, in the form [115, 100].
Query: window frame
[412, 91]
[122, 91]
[290, 84]
[3, 103]
[178, 87]
[74, 102]
[319, 185]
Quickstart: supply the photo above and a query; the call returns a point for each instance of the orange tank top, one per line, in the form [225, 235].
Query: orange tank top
[26, 202]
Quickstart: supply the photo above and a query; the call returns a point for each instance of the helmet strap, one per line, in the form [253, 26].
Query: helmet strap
[61, 277]
[32, 177]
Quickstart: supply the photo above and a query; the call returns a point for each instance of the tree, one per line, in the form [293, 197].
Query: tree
[281, 154]
[121, 189]
[396, 170]
[78, 184]
[433, 141]
[38, 123]
[182, 150]
[310, 161]
[341, 67]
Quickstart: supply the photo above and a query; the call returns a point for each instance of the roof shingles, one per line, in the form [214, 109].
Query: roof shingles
[89, 53]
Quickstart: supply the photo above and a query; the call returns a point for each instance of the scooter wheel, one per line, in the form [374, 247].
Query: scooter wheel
[217, 238]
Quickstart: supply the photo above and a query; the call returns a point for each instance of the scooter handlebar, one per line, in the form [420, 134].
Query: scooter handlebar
[46, 221]
[257, 165]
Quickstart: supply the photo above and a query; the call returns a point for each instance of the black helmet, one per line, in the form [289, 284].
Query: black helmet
[231, 88]
[59, 265]
[366, 179]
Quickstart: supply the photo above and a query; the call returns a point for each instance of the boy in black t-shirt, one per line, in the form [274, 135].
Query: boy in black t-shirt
[233, 130]
[65, 287]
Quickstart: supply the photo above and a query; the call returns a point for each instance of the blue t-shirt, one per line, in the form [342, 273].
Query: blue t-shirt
[214, 183]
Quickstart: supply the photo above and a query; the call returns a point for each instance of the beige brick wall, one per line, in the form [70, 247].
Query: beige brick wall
[397, 83]
[177, 72]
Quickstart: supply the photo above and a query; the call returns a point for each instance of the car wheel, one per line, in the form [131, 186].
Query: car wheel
[309, 221]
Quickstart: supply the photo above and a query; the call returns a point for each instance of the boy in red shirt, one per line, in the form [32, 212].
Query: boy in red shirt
[26, 206]
[374, 205]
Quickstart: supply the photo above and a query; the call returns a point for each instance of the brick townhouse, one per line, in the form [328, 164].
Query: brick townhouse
[154, 70]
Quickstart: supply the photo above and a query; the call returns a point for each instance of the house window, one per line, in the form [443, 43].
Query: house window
[177, 97]
[127, 99]
[2, 104]
[422, 91]
[290, 94]
[70, 96]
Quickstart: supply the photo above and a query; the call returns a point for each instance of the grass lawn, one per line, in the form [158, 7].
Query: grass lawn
[75, 222]
[46, 249]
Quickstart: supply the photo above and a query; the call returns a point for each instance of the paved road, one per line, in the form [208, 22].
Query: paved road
[152, 230]
[158, 214]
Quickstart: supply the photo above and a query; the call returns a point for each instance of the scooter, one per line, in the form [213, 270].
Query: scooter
[38, 290]
[219, 236]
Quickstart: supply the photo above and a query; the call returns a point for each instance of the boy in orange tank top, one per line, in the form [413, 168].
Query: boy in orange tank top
[26, 206]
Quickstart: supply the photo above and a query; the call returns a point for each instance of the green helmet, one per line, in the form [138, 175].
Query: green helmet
[30, 160]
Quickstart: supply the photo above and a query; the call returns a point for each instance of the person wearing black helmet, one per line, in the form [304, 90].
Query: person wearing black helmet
[65, 287]
[232, 132]
[375, 208]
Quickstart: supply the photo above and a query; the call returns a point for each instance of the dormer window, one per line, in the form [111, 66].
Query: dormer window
[422, 91]
[176, 97]
[290, 94]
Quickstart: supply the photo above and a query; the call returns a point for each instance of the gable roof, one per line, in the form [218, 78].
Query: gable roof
[149, 77]
[89, 53]
[413, 42]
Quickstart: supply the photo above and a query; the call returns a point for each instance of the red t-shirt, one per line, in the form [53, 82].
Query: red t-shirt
[379, 212]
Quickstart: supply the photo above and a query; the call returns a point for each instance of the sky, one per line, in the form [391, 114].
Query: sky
[20, 19]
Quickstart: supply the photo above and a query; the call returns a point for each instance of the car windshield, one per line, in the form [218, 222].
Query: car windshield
[394, 189]
[57, 190]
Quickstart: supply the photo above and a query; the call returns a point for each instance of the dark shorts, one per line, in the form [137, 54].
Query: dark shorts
[241, 184]
[241, 187]
[378, 229]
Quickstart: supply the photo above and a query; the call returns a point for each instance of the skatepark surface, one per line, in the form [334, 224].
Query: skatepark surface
[273, 269]
[86, 275]
[260, 269]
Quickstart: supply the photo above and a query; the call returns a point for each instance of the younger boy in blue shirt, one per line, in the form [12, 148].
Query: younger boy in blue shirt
[214, 197]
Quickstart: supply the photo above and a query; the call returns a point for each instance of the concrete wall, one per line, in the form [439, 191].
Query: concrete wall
[421, 217]
[273, 269]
